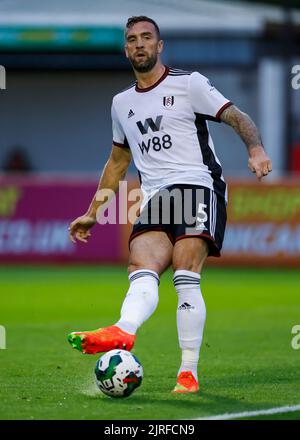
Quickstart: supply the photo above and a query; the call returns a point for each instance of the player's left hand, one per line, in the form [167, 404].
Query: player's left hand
[259, 162]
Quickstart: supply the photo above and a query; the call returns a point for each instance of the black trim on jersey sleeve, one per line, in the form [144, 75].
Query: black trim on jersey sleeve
[125, 145]
[208, 156]
[228, 104]
[205, 98]
[217, 117]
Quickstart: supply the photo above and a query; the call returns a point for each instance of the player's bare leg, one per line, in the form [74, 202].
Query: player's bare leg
[150, 255]
[188, 258]
[151, 250]
[189, 253]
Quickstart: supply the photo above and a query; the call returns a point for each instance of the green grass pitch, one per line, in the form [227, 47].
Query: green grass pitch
[247, 361]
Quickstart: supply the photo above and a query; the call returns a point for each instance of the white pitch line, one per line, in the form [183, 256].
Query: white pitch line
[263, 412]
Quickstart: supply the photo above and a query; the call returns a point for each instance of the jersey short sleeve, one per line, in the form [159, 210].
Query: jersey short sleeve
[119, 138]
[205, 98]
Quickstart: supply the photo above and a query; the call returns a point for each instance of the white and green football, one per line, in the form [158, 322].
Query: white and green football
[118, 373]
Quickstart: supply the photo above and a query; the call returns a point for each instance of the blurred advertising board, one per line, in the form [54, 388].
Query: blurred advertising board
[263, 223]
[35, 213]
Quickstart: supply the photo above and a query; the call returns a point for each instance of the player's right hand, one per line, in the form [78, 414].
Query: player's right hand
[79, 229]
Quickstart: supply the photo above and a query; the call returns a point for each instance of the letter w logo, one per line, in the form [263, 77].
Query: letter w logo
[155, 126]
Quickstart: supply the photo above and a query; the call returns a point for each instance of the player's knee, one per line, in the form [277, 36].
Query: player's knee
[184, 265]
[191, 264]
[132, 267]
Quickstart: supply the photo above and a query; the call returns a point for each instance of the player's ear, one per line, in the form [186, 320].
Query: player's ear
[126, 50]
[125, 44]
[160, 46]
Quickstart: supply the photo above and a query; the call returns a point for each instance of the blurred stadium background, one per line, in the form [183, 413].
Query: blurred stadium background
[63, 62]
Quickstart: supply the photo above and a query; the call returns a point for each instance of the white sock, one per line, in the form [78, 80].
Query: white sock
[189, 361]
[141, 300]
[191, 315]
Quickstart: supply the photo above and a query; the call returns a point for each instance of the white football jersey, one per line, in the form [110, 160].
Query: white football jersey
[165, 127]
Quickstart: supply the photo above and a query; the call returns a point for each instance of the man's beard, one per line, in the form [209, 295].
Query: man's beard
[146, 66]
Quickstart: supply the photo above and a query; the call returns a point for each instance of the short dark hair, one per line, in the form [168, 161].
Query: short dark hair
[137, 19]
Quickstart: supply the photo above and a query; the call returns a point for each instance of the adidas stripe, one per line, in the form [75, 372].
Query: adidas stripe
[142, 274]
[184, 279]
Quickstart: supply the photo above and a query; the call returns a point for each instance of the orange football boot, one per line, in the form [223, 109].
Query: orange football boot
[101, 340]
[186, 383]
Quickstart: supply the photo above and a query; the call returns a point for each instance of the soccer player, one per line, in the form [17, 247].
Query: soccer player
[161, 122]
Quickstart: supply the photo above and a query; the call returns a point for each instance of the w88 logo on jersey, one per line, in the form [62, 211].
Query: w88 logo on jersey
[156, 143]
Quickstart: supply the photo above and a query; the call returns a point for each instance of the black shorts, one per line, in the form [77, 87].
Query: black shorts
[183, 211]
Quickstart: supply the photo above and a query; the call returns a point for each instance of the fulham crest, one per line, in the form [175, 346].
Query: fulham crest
[168, 101]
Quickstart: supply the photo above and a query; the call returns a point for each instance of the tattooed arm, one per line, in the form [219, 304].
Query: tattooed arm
[259, 162]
